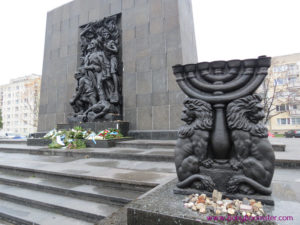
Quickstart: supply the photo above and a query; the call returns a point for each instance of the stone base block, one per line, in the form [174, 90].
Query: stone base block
[154, 134]
[163, 207]
[265, 199]
[38, 142]
[105, 143]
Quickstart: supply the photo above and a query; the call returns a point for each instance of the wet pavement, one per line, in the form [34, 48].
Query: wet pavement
[286, 193]
[123, 170]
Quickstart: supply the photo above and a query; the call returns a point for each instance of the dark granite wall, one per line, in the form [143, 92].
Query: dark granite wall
[156, 34]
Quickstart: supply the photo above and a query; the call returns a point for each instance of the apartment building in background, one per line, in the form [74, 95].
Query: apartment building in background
[282, 93]
[19, 102]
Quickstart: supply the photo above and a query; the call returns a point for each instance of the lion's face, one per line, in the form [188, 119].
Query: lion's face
[256, 113]
[245, 114]
[197, 113]
[188, 115]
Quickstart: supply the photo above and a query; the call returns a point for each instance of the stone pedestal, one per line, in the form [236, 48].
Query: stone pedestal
[163, 207]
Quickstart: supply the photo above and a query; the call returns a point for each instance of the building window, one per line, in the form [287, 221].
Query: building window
[283, 121]
[282, 108]
[17, 108]
[295, 121]
[279, 81]
[17, 101]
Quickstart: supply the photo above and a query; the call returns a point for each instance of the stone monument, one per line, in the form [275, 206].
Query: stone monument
[223, 144]
[121, 53]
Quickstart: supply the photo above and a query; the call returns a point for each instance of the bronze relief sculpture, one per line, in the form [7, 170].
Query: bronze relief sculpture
[98, 93]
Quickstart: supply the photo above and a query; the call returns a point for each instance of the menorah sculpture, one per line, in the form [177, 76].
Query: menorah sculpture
[224, 144]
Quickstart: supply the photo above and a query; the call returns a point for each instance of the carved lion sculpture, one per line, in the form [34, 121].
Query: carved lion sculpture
[252, 151]
[192, 144]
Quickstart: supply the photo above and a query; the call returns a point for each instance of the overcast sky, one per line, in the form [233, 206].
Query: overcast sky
[225, 29]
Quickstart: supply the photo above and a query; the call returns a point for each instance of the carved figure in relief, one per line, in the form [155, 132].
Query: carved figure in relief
[192, 145]
[252, 151]
[85, 95]
[98, 110]
[110, 51]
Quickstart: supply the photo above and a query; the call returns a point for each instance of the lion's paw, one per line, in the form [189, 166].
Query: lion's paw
[197, 185]
[246, 189]
[233, 185]
[208, 184]
[207, 163]
[235, 164]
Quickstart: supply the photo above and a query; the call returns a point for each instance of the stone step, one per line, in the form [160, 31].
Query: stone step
[283, 159]
[67, 206]
[13, 213]
[101, 194]
[155, 154]
[131, 174]
[13, 141]
[170, 144]
[148, 144]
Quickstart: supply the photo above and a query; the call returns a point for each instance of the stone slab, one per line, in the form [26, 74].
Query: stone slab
[163, 207]
[265, 199]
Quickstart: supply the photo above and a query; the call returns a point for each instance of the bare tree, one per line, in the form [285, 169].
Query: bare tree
[31, 99]
[278, 95]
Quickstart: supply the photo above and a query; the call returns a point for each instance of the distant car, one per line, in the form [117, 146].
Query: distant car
[270, 134]
[292, 134]
[13, 136]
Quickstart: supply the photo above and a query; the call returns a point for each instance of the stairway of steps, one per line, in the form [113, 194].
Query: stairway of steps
[46, 186]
